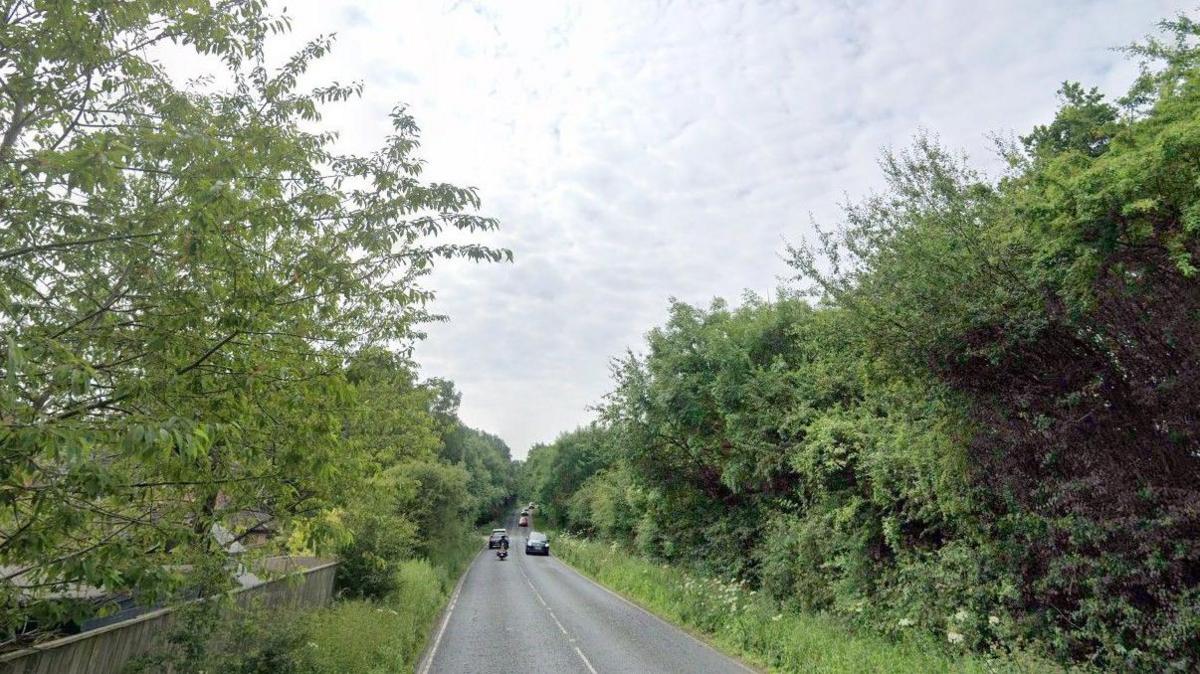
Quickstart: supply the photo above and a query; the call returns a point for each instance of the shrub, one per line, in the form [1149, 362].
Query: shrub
[745, 622]
[984, 427]
[368, 637]
[388, 524]
[219, 636]
[381, 539]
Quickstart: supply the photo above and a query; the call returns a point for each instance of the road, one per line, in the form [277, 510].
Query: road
[535, 614]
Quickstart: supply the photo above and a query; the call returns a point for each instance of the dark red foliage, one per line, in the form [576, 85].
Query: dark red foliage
[1091, 449]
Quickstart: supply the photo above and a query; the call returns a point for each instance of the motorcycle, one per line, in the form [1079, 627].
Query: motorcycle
[502, 554]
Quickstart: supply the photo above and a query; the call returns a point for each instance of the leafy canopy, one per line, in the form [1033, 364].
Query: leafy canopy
[184, 274]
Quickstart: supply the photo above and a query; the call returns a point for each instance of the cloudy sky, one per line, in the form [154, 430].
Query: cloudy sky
[637, 150]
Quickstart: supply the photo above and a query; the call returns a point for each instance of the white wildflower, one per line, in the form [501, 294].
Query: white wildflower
[777, 617]
[961, 615]
[954, 637]
[993, 620]
[906, 622]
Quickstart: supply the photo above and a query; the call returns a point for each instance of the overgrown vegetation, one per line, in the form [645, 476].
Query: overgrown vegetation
[983, 429]
[417, 505]
[364, 636]
[973, 418]
[388, 634]
[743, 621]
[208, 313]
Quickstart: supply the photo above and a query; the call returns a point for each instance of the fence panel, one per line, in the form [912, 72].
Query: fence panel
[107, 649]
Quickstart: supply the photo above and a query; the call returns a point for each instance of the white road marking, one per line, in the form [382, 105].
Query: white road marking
[543, 603]
[446, 620]
[553, 617]
[655, 617]
[585, 660]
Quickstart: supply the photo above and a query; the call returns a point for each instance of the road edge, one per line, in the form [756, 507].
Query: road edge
[438, 626]
[696, 635]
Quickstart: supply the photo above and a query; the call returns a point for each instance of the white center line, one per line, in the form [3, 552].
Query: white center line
[673, 628]
[529, 581]
[585, 660]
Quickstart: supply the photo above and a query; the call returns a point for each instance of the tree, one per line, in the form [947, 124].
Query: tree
[987, 411]
[386, 420]
[1084, 123]
[184, 272]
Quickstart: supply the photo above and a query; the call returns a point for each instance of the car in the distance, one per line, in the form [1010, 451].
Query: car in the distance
[537, 544]
[525, 513]
[494, 539]
[524, 521]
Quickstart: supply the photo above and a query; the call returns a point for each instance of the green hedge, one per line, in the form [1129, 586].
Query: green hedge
[745, 623]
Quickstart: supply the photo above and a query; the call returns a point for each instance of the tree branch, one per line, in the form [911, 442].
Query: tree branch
[17, 252]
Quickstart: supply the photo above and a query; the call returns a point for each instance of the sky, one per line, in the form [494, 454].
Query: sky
[636, 151]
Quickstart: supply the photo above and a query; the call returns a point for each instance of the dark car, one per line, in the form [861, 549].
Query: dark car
[537, 544]
[494, 539]
[524, 513]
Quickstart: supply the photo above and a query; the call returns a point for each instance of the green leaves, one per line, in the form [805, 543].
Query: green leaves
[983, 425]
[1085, 123]
[186, 274]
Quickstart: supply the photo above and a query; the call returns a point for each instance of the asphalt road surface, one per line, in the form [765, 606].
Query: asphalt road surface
[535, 614]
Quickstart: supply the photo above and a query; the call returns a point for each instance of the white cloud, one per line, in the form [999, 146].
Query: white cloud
[636, 151]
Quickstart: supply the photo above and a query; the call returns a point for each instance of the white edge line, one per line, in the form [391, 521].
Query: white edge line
[446, 619]
[657, 617]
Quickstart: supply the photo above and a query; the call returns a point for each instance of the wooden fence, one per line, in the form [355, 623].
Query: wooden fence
[106, 650]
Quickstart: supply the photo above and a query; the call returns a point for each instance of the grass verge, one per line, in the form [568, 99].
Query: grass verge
[372, 637]
[742, 623]
[375, 637]
[351, 636]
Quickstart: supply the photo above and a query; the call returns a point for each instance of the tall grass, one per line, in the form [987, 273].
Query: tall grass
[375, 637]
[351, 636]
[741, 622]
[366, 637]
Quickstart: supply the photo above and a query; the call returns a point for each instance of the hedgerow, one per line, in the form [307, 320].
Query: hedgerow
[974, 413]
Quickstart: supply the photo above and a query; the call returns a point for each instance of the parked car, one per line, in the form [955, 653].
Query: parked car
[524, 521]
[537, 544]
[524, 513]
[494, 539]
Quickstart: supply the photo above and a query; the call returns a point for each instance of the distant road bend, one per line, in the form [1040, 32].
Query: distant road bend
[537, 615]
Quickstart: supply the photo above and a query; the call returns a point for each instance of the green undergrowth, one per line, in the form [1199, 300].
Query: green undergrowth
[387, 635]
[350, 636]
[744, 623]
[367, 636]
